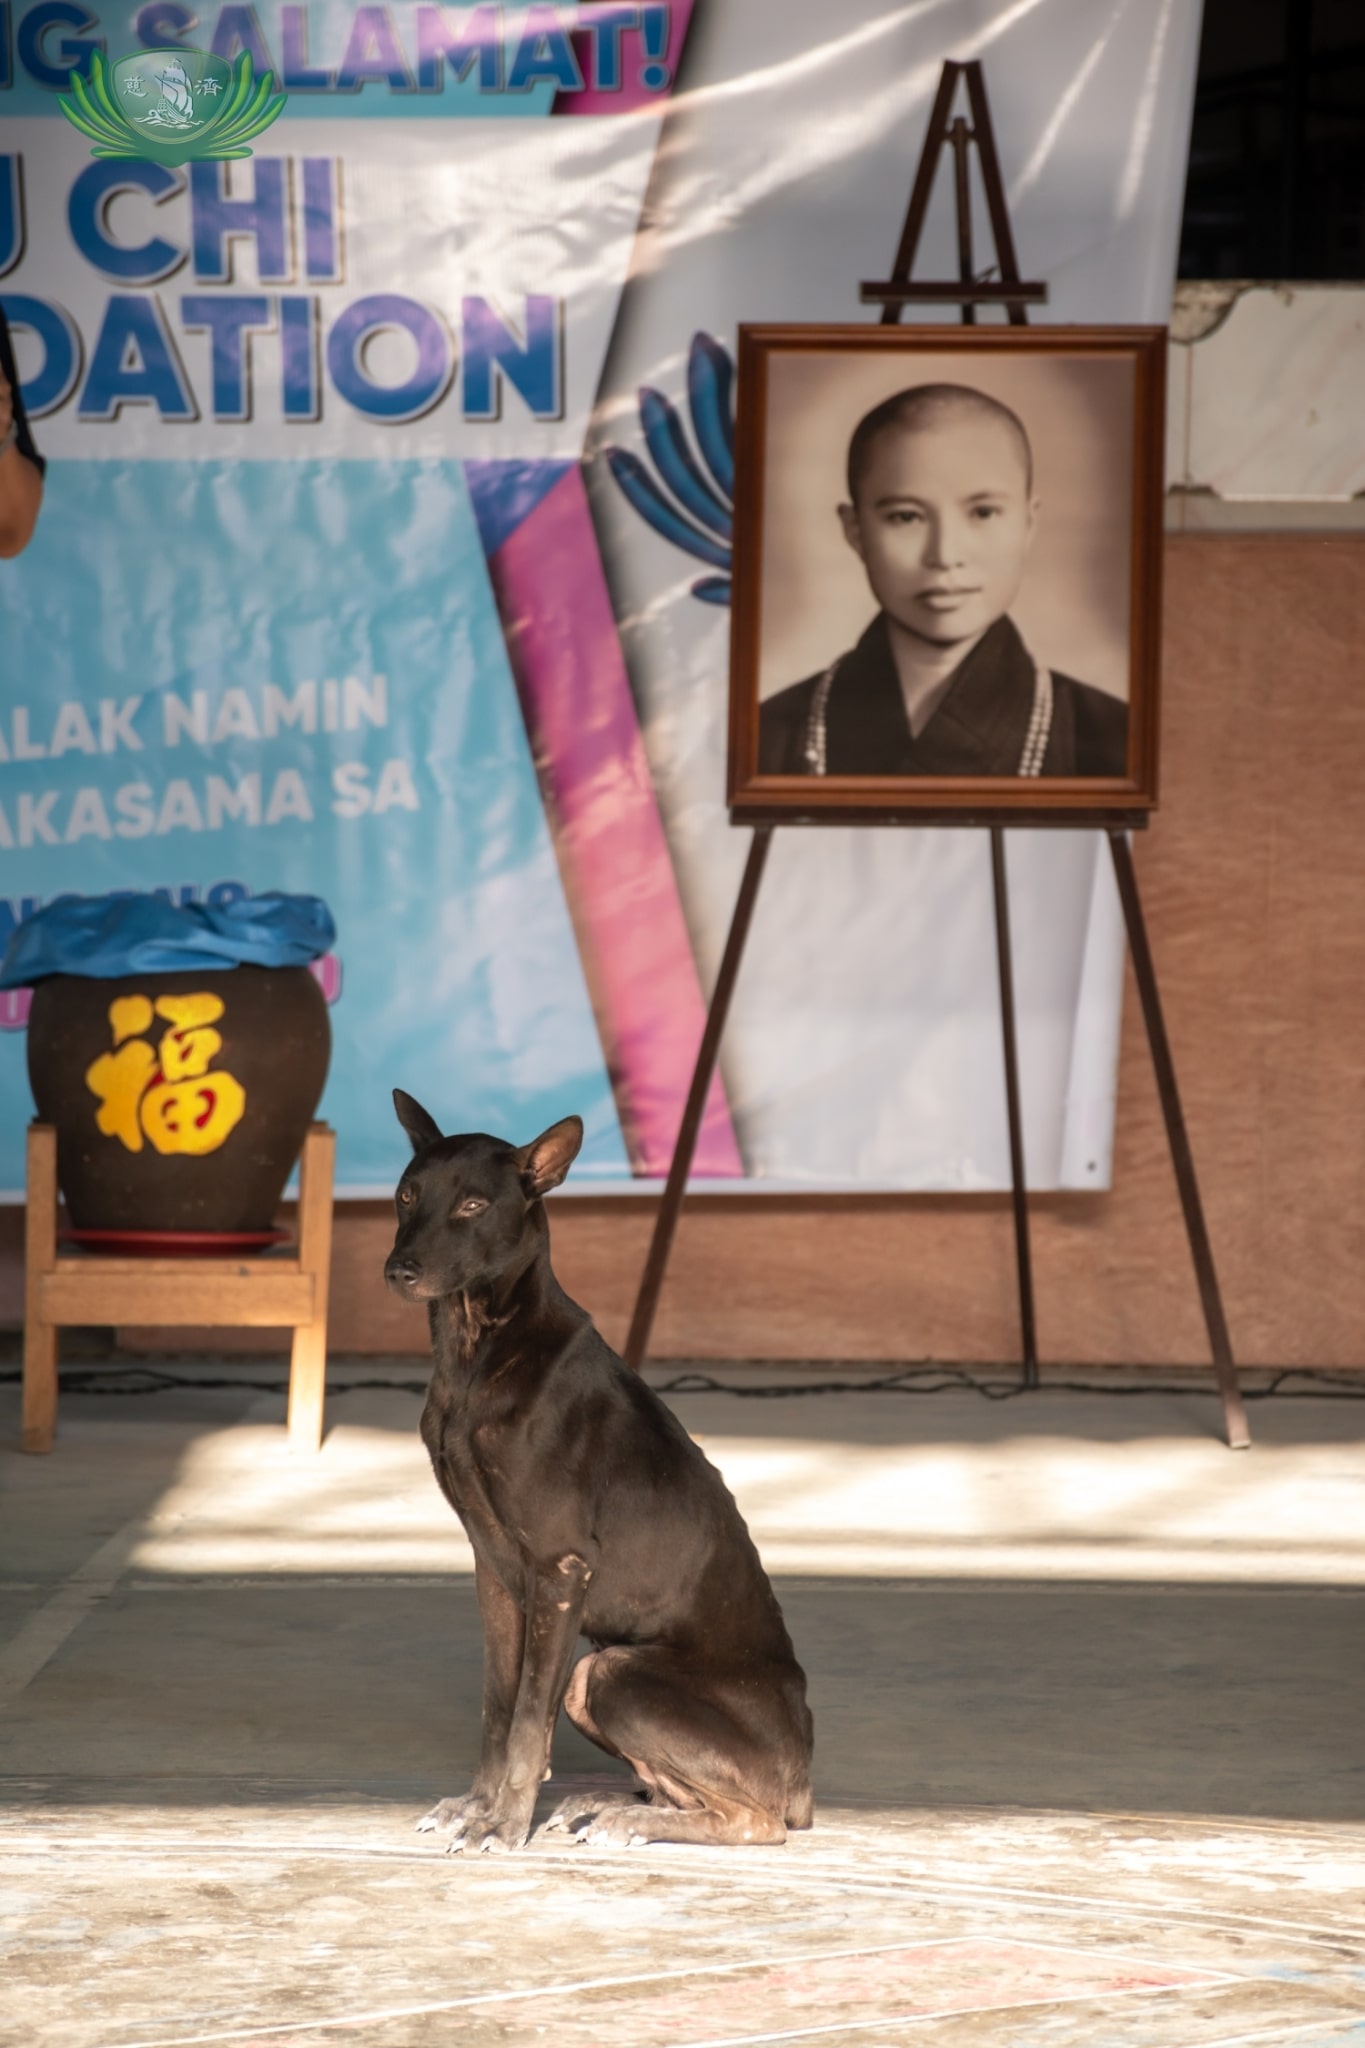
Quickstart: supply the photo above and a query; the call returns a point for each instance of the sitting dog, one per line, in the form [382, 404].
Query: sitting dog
[591, 1512]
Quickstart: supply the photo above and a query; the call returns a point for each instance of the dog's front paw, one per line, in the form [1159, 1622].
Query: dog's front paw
[491, 1834]
[454, 1816]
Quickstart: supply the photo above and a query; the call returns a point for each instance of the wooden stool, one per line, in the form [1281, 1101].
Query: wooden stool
[263, 1293]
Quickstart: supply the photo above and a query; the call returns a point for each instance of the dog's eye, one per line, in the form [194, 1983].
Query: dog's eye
[405, 1196]
[473, 1206]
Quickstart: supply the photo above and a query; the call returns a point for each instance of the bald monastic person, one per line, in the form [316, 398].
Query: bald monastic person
[942, 514]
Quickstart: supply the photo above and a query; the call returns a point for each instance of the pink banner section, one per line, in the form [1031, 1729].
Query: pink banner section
[640, 57]
[566, 656]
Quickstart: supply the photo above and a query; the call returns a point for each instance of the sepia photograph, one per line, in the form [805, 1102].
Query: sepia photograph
[947, 570]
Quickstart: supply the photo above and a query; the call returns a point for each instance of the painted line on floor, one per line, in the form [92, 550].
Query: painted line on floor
[269, 2031]
[1354, 2029]
[1134, 1572]
[1337, 2030]
[935, 1888]
[830, 1806]
[930, 2019]
[824, 1878]
[686, 1863]
[459, 1576]
[37, 1641]
[845, 2027]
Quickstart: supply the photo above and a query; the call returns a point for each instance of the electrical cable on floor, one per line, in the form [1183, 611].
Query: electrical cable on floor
[1324, 1385]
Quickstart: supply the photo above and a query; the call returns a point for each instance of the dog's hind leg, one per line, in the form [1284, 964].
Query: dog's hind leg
[578, 1808]
[801, 1805]
[720, 1751]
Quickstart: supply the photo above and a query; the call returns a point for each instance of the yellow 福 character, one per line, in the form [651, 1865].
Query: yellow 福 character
[169, 1094]
[188, 1047]
[129, 1017]
[193, 1115]
[191, 1109]
[120, 1079]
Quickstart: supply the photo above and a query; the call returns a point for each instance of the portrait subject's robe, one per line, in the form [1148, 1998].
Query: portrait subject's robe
[997, 717]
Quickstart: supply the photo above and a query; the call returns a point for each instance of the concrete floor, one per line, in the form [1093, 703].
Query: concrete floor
[1089, 1711]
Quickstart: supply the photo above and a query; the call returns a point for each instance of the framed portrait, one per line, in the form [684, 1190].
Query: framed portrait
[947, 572]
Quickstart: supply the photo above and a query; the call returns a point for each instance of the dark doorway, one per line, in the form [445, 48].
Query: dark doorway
[1276, 182]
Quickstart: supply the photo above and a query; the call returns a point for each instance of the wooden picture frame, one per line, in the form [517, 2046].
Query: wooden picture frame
[974, 631]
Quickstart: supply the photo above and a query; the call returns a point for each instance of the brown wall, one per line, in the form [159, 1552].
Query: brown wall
[1253, 880]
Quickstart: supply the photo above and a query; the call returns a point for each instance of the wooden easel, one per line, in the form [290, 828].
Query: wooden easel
[960, 134]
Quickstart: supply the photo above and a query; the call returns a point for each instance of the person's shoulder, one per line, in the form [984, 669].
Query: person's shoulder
[793, 702]
[1099, 722]
[23, 436]
[782, 721]
[1095, 707]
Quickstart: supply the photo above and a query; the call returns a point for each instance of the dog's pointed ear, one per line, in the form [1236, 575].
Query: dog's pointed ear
[546, 1160]
[420, 1128]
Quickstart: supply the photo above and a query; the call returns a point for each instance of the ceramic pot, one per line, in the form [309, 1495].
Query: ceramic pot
[181, 1101]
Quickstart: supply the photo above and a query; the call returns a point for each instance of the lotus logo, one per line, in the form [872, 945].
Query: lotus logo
[171, 106]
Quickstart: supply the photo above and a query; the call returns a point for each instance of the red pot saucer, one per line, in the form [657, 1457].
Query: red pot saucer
[174, 1244]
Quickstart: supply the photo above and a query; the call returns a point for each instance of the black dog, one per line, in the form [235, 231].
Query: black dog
[591, 1512]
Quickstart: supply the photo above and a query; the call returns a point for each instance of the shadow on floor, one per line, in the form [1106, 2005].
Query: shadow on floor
[360, 1675]
[1205, 1700]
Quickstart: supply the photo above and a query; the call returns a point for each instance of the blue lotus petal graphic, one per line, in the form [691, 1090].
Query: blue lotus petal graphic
[711, 402]
[688, 497]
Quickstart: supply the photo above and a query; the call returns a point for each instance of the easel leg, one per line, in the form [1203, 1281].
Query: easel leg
[652, 1280]
[1028, 1332]
[1234, 1413]
[308, 1358]
[989, 159]
[934, 140]
[40, 1255]
[960, 137]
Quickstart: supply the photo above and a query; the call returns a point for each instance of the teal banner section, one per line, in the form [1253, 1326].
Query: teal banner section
[251, 676]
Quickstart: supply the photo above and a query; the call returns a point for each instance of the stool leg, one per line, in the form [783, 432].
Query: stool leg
[307, 1386]
[40, 1256]
[308, 1359]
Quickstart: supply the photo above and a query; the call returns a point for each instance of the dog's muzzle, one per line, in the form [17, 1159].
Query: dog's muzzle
[404, 1276]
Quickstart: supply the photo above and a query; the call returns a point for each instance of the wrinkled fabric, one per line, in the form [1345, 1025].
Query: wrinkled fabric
[523, 529]
[104, 937]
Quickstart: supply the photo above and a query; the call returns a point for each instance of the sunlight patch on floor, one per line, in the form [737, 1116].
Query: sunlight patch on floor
[1032, 1507]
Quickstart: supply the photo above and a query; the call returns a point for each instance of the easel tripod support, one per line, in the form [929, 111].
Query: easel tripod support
[893, 294]
[670, 1205]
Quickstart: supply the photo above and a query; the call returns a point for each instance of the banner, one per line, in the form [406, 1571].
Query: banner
[346, 583]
